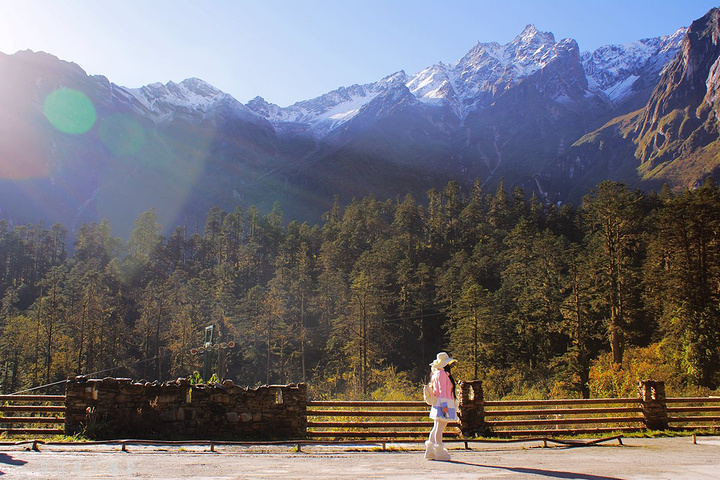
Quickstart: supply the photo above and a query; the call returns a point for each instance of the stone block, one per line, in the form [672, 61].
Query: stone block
[166, 399]
[220, 398]
[167, 416]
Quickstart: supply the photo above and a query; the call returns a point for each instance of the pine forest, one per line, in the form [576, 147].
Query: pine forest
[535, 301]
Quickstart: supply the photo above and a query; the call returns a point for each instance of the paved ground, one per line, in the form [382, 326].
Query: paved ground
[658, 458]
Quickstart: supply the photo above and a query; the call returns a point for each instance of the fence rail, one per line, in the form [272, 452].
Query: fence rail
[511, 418]
[32, 398]
[560, 401]
[704, 414]
[25, 414]
[370, 420]
[561, 411]
[562, 417]
[693, 400]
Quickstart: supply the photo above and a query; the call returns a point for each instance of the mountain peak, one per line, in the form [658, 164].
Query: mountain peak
[615, 69]
[394, 79]
[262, 107]
[194, 82]
[258, 100]
[41, 59]
[531, 35]
[192, 94]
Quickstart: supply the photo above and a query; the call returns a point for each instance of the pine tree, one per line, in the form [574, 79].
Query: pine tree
[613, 215]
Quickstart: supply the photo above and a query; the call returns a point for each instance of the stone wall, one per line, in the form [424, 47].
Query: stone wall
[654, 406]
[471, 409]
[121, 408]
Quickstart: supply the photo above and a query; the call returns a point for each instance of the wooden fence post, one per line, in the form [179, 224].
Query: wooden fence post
[654, 407]
[471, 409]
[302, 410]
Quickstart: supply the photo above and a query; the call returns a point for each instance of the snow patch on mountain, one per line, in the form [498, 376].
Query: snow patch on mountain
[191, 97]
[613, 69]
[325, 113]
[430, 84]
[486, 70]
[193, 94]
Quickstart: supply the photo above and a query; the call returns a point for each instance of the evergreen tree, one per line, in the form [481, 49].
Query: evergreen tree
[682, 274]
[614, 215]
[473, 329]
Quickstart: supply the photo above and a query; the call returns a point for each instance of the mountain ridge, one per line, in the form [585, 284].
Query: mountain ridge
[496, 59]
[509, 112]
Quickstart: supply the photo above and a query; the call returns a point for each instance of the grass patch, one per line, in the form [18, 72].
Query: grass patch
[45, 438]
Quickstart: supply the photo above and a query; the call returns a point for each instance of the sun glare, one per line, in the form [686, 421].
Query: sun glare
[70, 111]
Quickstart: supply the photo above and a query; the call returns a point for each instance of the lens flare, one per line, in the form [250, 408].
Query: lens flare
[70, 111]
[121, 135]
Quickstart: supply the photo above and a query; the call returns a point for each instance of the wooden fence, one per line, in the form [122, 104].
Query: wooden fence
[693, 413]
[32, 414]
[408, 420]
[371, 420]
[505, 418]
[509, 418]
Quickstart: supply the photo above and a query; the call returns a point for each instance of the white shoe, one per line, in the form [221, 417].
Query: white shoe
[441, 453]
[429, 450]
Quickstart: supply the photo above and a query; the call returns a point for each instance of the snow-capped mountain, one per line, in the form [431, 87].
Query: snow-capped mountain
[474, 81]
[614, 69]
[323, 114]
[488, 69]
[190, 98]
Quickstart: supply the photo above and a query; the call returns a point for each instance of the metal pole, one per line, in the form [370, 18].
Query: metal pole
[209, 340]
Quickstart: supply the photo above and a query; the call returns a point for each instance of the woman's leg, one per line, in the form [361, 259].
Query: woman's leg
[441, 452]
[434, 437]
[430, 443]
[439, 430]
[436, 433]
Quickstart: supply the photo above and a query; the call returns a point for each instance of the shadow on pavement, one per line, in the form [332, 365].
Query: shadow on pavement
[542, 473]
[8, 460]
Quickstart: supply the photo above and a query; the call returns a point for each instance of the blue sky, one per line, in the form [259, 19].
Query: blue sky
[286, 51]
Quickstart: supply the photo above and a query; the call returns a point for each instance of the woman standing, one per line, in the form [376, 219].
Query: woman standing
[444, 409]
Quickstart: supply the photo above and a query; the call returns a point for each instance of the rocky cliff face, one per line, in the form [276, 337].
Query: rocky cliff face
[673, 138]
[684, 82]
[681, 117]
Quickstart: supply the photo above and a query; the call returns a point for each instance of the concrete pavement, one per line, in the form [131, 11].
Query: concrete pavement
[637, 459]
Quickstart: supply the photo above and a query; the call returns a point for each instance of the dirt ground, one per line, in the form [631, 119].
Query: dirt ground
[637, 458]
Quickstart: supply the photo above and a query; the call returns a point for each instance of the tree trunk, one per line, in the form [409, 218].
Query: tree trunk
[617, 344]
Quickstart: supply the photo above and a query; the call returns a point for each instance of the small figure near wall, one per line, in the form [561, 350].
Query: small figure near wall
[444, 409]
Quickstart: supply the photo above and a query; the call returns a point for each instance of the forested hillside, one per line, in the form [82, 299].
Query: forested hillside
[533, 300]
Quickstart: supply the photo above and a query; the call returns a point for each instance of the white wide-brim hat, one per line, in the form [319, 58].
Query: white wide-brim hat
[442, 360]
